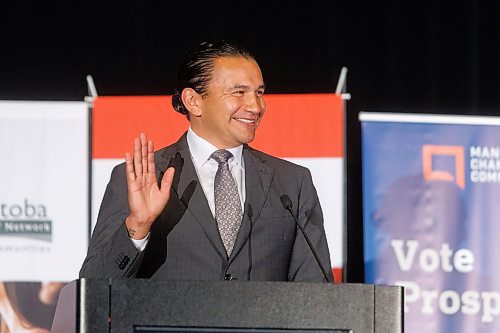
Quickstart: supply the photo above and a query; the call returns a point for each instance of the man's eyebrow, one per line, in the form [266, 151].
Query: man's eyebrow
[239, 86]
[243, 86]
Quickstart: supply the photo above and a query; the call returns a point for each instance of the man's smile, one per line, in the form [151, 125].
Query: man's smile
[246, 120]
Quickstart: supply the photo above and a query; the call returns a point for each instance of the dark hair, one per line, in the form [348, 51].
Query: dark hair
[197, 68]
[24, 298]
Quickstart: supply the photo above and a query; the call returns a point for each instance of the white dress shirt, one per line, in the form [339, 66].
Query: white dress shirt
[206, 167]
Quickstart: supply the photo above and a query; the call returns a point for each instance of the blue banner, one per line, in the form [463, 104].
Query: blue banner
[431, 209]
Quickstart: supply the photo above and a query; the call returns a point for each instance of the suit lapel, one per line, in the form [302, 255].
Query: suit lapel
[189, 190]
[187, 187]
[258, 177]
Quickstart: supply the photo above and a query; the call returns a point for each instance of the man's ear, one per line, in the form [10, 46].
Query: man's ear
[191, 100]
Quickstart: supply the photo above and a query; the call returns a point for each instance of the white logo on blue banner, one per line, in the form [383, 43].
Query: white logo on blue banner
[431, 203]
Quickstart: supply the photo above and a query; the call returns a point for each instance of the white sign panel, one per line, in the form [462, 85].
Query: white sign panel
[44, 190]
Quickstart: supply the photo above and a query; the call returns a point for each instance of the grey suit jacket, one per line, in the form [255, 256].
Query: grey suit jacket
[185, 242]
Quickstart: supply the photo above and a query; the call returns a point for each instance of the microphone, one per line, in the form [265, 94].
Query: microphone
[287, 204]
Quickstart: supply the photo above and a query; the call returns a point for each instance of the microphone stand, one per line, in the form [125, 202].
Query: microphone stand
[287, 204]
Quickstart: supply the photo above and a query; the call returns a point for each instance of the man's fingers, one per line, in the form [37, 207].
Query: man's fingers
[166, 181]
[144, 153]
[151, 157]
[129, 168]
[143, 158]
[137, 157]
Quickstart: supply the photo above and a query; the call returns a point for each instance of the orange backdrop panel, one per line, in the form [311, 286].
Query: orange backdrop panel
[301, 125]
[295, 125]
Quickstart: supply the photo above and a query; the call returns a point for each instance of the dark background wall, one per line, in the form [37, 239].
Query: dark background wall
[425, 56]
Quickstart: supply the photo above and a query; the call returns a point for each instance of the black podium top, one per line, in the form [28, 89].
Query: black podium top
[140, 306]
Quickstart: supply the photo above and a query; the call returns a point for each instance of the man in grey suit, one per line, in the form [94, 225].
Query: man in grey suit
[185, 212]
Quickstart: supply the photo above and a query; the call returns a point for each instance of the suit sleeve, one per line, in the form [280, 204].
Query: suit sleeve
[303, 266]
[111, 253]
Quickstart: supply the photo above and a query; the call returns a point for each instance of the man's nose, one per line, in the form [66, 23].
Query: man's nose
[254, 103]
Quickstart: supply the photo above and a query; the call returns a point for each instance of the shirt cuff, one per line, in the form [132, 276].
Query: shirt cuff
[140, 244]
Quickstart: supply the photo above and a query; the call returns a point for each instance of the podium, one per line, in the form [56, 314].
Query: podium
[140, 306]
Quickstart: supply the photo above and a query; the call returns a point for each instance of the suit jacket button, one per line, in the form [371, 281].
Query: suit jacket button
[122, 261]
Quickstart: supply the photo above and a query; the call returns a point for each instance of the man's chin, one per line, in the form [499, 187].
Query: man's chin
[248, 139]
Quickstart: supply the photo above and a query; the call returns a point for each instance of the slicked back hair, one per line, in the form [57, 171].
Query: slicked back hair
[196, 70]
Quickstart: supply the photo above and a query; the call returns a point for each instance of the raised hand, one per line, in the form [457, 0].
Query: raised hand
[145, 199]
